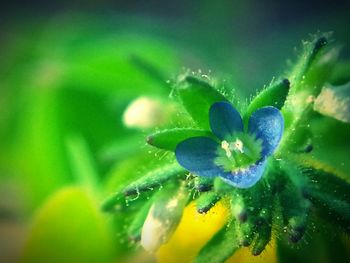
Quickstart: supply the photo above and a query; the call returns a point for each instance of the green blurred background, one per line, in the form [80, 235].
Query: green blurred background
[68, 71]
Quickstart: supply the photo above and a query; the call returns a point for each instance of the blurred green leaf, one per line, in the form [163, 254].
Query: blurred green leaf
[82, 163]
[65, 80]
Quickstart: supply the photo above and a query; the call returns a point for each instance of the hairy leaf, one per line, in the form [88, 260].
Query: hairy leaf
[273, 95]
[220, 247]
[197, 96]
[168, 139]
[206, 201]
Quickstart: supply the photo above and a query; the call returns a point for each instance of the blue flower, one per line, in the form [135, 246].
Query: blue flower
[235, 154]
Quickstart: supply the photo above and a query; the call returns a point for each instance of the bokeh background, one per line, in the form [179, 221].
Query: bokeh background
[69, 70]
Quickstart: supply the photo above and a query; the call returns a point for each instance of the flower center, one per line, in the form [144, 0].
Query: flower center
[238, 152]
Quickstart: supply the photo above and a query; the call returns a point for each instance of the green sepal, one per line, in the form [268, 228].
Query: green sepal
[206, 201]
[246, 232]
[113, 203]
[263, 229]
[203, 184]
[135, 228]
[222, 246]
[239, 208]
[244, 208]
[297, 224]
[295, 211]
[169, 139]
[220, 186]
[154, 179]
[273, 95]
[311, 50]
[334, 101]
[322, 67]
[197, 96]
[151, 180]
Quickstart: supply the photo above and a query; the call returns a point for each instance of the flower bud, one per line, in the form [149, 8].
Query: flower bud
[163, 218]
[145, 112]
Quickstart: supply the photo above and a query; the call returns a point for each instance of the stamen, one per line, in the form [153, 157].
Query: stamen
[237, 145]
[226, 146]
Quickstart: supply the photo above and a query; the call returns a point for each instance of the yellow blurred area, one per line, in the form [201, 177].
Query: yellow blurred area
[195, 230]
[192, 233]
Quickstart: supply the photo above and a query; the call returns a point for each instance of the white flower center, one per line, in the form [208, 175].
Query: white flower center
[226, 147]
[236, 146]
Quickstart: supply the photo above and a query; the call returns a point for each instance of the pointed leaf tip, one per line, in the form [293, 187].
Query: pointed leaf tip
[197, 96]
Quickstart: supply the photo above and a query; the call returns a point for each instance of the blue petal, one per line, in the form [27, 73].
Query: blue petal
[197, 155]
[224, 120]
[245, 178]
[267, 124]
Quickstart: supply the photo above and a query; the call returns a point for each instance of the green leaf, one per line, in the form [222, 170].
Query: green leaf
[274, 95]
[295, 210]
[197, 96]
[69, 228]
[244, 208]
[311, 50]
[150, 181]
[168, 139]
[206, 201]
[239, 207]
[113, 202]
[82, 163]
[334, 101]
[263, 237]
[264, 228]
[154, 179]
[222, 246]
[203, 184]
